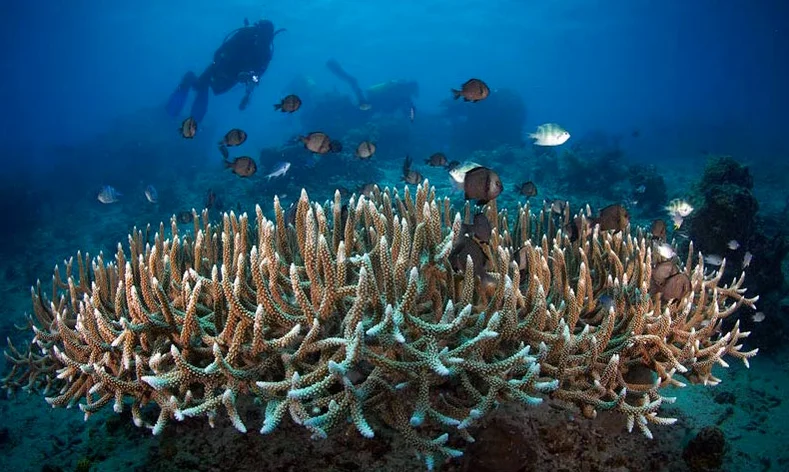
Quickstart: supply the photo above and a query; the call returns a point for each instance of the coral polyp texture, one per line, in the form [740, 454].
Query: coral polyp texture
[356, 315]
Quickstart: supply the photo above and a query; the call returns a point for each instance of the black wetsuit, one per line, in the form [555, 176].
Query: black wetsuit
[241, 59]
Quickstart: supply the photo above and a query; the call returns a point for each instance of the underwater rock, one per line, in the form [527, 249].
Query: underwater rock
[704, 453]
[496, 121]
[729, 211]
[593, 168]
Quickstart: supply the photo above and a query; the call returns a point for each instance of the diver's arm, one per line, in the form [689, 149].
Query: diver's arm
[249, 87]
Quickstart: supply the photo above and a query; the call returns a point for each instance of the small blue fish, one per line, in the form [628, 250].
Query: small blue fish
[279, 170]
[151, 194]
[606, 302]
[108, 194]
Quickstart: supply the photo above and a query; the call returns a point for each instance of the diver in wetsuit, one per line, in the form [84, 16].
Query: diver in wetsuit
[241, 59]
[387, 97]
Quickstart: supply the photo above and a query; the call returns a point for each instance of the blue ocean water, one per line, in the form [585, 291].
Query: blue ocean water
[650, 92]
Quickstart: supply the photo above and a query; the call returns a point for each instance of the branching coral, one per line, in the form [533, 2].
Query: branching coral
[358, 317]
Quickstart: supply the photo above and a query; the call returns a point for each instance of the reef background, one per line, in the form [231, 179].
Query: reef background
[654, 94]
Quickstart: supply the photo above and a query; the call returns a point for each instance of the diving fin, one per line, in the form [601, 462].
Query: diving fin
[178, 98]
[200, 105]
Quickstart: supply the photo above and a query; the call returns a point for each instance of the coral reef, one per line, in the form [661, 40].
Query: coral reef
[358, 317]
[729, 211]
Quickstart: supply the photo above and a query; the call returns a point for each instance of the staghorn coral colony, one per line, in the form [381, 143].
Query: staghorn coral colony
[355, 314]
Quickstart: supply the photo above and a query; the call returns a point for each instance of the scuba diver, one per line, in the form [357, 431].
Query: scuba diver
[387, 97]
[242, 58]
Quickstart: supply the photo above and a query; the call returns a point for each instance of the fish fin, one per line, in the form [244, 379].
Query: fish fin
[456, 93]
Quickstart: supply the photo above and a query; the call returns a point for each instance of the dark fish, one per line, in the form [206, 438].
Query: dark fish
[556, 205]
[522, 257]
[480, 228]
[676, 287]
[189, 128]
[223, 150]
[344, 192]
[317, 142]
[290, 215]
[663, 271]
[234, 137]
[464, 247]
[453, 165]
[658, 230]
[437, 160]
[288, 104]
[612, 218]
[473, 90]
[242, 166]
[365, 150]
[210, 199]
[367, 189]
[184, 217]
[573, 229]
[411, 176]
[343, 215]
[527, 189]
[335, 146]
[482, 184]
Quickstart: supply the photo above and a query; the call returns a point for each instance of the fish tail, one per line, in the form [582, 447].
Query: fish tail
[456, 93]
[278, 106]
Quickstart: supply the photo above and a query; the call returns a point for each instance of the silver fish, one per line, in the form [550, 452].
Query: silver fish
[279, 170]
[108, 194]
[151, 194]
[550, 134]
